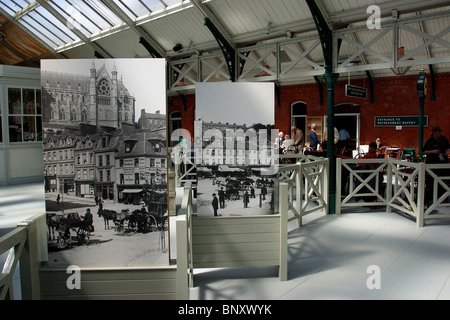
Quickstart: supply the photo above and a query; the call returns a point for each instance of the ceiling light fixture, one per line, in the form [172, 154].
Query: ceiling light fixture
[401, 71]
[178, 47]
[269, 26]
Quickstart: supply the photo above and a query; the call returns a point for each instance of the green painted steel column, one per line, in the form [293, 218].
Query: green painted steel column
[421, 112]
[326, 39]
[330, 80]
[422, 87]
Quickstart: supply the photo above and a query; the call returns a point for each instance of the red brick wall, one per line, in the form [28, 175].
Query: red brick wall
[394, 96]
[187, 117]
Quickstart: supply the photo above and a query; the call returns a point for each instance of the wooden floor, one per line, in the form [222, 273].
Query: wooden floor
[329, 258]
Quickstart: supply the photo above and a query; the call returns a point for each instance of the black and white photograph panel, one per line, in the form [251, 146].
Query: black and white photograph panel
[234, 124]
[105, 162]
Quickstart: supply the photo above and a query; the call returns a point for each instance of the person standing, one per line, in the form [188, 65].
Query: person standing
[436, 150]
[221, 198]
[215, 204]
[246, 199]
[100, 208]
[313, 140]
[252, 192]
[299, 139]
[344, 137]
[264, 192]
[336, 135]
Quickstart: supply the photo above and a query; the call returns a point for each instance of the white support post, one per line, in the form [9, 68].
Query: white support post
[421, 196]
[283, 197]
[182, 259]
[388, 190]
[33, 255]
[326, 186]
[304, 188]
[298, 195]
[338, 185]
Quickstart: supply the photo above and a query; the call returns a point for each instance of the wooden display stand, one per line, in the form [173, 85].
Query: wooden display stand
[28, 244]
[241, 241]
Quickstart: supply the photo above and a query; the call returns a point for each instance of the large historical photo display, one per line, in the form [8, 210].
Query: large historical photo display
[105, 162]
[233, 150]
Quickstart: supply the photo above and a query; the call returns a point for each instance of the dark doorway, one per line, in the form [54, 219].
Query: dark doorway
[298, 116]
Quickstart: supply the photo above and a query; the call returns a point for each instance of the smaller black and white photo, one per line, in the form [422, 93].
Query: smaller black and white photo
[233, 152]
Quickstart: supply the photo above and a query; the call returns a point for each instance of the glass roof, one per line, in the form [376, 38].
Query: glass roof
[62, 22]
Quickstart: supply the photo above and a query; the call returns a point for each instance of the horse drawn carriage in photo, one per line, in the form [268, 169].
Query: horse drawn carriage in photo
[64, 225]
[139, 220]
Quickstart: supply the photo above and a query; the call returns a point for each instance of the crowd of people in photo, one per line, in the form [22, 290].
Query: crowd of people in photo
[233, 189]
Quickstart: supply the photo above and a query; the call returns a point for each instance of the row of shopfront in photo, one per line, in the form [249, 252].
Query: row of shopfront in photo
[109, 167]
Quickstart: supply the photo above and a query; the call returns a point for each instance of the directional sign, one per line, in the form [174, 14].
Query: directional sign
[355, 92]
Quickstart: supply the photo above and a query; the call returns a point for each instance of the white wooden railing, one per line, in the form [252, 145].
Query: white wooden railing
[23, 245]
[439, 174]
[364, 183]
[308, 180]
[408, 187]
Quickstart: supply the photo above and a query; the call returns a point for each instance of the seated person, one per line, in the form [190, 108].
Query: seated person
[372, 154]
[88, 218]
[288, 142]
[279, 140]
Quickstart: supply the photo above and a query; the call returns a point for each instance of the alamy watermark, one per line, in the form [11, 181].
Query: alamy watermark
[230, 146]
[374, 21]
[73, 282]
[374, 280]
[75, 17]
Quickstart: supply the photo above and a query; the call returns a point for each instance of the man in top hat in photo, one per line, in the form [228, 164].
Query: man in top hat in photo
[215, 204]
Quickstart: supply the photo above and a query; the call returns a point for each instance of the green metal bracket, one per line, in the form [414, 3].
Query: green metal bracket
[278, 94]
[98, 55]
[228, 51]
[371, 86]
[183, 100]
[320, 88]
[150, 49]
[325, 34]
